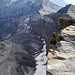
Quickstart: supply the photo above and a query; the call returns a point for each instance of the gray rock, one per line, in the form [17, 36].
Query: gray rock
[63, 60]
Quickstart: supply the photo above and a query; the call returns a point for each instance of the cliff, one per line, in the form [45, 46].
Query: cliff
[61, 55]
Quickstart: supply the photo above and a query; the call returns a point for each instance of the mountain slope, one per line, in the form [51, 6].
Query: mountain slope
[69, 9]
[23, 18]
[20, 7]
[48, 7]
[16, 16]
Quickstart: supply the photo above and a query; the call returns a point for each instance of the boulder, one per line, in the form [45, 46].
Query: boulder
[61, 59]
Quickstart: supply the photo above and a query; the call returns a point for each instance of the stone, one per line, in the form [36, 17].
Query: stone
[63, 60]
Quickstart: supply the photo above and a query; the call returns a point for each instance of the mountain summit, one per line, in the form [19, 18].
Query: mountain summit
[69, 9]
[16, 15]
[48, 7]
[20, 7]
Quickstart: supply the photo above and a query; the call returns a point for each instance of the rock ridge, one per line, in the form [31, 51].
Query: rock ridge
[61, 55]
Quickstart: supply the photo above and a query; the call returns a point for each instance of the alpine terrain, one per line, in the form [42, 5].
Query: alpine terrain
[26, 27]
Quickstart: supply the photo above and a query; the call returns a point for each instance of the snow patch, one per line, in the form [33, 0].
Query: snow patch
[40, 61]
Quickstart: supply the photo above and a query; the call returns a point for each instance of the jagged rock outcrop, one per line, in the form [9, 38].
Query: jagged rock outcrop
[69, 9]
[51, 20]
[61, 59]
[48, 7]
[64, 22]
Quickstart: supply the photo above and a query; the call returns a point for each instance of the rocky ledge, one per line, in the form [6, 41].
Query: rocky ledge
[61, 58]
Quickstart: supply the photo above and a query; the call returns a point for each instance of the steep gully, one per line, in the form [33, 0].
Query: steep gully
[39, 53]
[41, 61]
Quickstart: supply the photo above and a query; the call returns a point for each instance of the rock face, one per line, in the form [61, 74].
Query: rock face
[21, 7]
[50, 22]
[64, 22]
[30, 16]
[68, 9]
[19, 15]
[48, 7]
[29, 22]
[61, 59]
